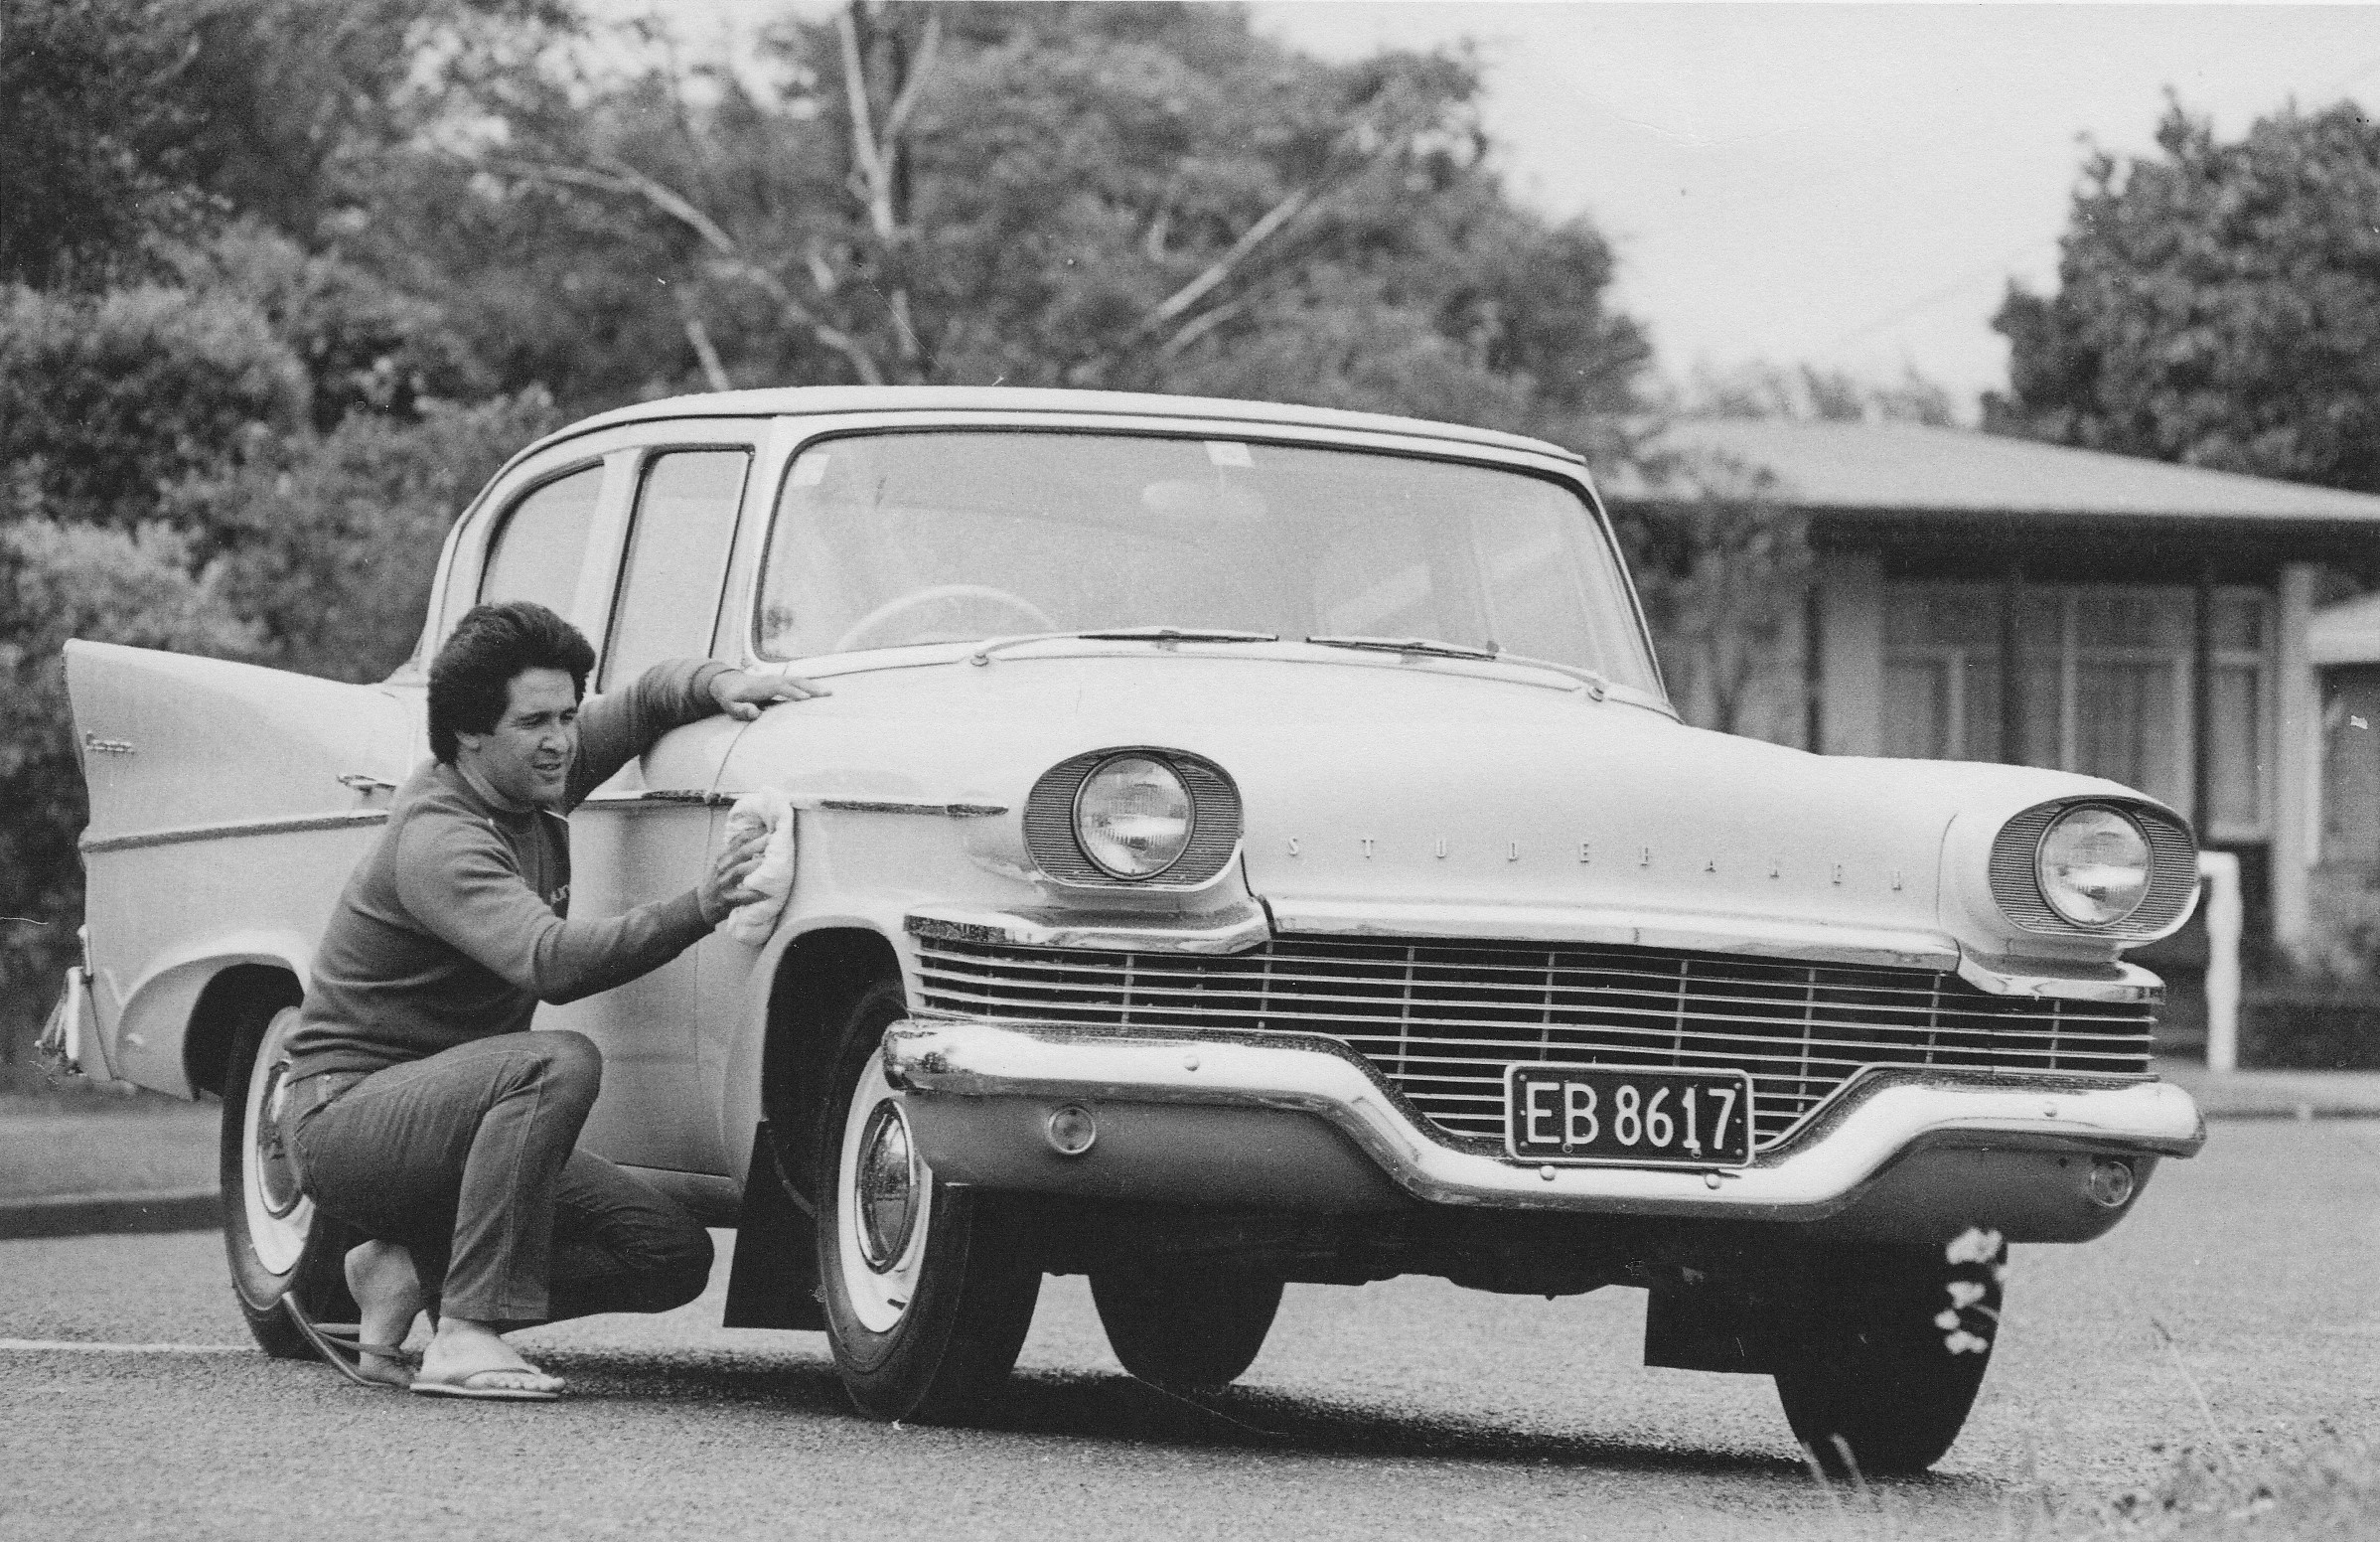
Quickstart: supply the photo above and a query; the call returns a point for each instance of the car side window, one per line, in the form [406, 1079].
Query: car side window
[543, 543]
[677, 549]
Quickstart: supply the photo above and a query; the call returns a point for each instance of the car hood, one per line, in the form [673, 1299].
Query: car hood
[1372, 786]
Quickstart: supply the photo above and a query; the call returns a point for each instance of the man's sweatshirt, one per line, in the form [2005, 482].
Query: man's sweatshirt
[457, 924]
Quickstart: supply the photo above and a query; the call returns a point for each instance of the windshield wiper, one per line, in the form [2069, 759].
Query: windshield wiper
[1420, 645]
[1162, 636]
[1166, 634]
[1430, 648]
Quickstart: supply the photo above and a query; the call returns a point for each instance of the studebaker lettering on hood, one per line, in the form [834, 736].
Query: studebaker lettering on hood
[1243, 845]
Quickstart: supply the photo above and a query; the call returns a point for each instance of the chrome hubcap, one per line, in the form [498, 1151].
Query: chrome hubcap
[279, 1215]
[887, 1186]
[276, 1180]
[885, 1211]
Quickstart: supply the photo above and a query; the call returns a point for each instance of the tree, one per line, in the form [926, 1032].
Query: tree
[1128, 197]
[91, 177]
[61, 581]
[1723, 569]
[2218, 306]
[328, 542]
[107, 398]
[286, 105]
[1808, 394]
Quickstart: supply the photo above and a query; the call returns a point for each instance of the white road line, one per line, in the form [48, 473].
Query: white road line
[83, 1346]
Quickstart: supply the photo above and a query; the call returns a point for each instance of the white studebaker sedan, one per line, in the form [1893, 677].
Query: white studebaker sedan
[1243, 845]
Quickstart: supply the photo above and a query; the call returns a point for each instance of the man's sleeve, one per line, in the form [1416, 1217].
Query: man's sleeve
[456, 877]
[614, 730]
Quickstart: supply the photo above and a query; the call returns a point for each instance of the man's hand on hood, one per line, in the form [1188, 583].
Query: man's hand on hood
[743, 696]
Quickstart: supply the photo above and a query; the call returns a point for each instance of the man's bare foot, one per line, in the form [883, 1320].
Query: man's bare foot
[389, 1297]
[469, 1355]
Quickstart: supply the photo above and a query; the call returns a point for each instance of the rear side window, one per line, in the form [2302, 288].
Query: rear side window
[677, 560]
[542, 543]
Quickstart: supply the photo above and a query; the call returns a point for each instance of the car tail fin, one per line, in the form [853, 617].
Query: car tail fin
[172, 742]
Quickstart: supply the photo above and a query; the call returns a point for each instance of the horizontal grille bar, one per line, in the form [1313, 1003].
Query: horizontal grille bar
[1158, 1001]
[1442, 1020]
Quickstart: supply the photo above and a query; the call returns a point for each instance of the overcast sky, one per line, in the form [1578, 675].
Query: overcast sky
[1845, 185]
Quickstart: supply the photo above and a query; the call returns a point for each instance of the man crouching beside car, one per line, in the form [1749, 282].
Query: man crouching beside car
[420, 1110]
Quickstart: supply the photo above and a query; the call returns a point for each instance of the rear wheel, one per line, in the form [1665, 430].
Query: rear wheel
[927, 1297]
[1185, 1331]
[1892, 1362]
[278, 1243]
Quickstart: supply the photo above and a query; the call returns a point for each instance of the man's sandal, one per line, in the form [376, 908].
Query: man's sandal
[481, 1386]
[339, 1344]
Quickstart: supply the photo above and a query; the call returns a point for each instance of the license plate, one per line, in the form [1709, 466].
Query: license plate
[1644, 1119]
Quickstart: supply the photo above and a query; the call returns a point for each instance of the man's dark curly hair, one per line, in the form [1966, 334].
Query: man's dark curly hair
[471, 677]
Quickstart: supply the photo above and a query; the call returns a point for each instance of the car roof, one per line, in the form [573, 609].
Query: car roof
[820, 401]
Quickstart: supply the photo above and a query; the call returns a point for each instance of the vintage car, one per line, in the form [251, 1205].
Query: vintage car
[1243, 845]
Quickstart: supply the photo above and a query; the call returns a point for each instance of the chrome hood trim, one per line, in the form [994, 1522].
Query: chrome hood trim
[1877, 1119]
[1234, 929]
[1815, 941]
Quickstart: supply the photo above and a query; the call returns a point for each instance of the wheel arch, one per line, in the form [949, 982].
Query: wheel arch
[816, 979]
[171, 1032]
[207, 1041]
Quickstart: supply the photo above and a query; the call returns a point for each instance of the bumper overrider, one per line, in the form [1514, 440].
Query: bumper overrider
[1301, 1123]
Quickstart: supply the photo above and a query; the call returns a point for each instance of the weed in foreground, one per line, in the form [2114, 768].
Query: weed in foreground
[2328, 1491]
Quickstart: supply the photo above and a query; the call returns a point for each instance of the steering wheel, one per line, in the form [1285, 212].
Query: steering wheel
[917, 599]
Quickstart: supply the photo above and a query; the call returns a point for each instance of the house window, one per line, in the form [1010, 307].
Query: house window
[2106, 686]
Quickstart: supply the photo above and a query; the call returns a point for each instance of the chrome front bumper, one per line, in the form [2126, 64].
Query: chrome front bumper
[1304, 1123]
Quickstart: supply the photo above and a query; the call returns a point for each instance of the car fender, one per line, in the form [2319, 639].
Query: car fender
[746, 1009]
[152, 1018]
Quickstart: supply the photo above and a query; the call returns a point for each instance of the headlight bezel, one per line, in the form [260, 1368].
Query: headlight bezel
[1081, 835]
[2014, 882]
[1057, 854]
[2048, 890]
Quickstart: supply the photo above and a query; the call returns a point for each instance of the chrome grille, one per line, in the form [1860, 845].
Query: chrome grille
[1442, 1019]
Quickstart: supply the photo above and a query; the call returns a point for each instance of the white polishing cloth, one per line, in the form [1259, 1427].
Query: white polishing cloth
[751, 922]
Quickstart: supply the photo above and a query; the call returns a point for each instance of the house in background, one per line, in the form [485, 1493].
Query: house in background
[2343, 646]
[1984, 598]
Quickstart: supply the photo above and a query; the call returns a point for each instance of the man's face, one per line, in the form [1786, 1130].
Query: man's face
[526, 756]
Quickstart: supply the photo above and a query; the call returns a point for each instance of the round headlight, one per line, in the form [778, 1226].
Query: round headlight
[1134, 817]
[2093, 866]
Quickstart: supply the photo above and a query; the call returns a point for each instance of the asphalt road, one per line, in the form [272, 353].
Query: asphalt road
[1407, 1409]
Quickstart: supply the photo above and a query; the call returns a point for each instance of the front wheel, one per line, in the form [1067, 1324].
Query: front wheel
[1893, 1362]
[926, 1299]
[1185, 1331]
[278, 1243]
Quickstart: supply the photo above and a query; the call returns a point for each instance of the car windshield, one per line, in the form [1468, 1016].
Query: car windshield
[885, 540]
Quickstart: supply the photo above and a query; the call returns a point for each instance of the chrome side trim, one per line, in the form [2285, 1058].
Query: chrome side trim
[904, 806]
[656, 797]
[1233, 930]
[229, 830]
[1815, 1176]
[1802, 941]
[664, 797]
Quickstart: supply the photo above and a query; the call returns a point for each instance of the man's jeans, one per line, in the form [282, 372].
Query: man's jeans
[467, 1158]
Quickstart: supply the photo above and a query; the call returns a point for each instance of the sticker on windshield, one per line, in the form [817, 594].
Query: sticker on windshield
[1227, 452]
[810, 470]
